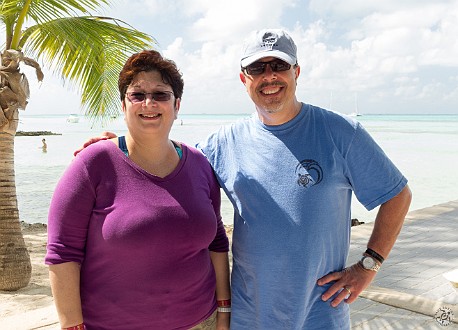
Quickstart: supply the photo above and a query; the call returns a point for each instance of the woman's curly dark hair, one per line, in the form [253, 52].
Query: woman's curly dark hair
[150, 60]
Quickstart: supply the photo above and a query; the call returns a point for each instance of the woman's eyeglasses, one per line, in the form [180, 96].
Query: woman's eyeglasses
[258, 68]
[138, 97]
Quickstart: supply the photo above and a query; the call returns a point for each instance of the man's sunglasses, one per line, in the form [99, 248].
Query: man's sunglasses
[138, 97]
[258, 68]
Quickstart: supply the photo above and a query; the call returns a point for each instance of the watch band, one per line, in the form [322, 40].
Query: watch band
[375, 255]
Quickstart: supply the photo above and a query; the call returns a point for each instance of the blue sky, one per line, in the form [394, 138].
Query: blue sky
[380, 56]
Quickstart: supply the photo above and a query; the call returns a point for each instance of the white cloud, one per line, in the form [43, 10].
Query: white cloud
[389, 40]
[151, 10]
[226, 21]
[386, 52]
[175, 49]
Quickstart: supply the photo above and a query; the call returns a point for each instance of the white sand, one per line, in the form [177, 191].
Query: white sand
[31, 307]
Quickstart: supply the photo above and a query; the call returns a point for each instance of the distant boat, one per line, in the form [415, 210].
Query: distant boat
[356, 113]
[73, 118]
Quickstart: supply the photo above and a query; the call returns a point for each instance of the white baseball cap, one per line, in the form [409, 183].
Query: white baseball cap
[268, 42]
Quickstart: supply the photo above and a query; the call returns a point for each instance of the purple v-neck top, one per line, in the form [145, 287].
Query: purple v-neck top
[143, 242]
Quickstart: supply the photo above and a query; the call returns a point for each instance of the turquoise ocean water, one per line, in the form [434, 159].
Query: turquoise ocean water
[424, 147]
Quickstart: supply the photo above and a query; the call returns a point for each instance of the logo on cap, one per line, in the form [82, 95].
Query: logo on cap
[269, 40]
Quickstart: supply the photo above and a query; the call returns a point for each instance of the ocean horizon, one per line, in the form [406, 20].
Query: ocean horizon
[423, 146]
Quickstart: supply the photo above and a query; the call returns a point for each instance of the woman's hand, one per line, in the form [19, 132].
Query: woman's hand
[223, 321]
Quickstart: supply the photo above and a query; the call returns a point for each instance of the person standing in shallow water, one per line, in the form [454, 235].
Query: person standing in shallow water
[44, 146]
[135, 237]
[290, 172]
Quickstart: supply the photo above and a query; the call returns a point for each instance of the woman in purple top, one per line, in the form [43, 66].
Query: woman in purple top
[135, 237]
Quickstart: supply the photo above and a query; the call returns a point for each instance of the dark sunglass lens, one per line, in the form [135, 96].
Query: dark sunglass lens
[280, 66]
[255, 68]
[161, 96]
[137, 97]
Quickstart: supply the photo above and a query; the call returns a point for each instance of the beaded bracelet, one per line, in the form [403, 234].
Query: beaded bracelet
[224, 309]
[223, 303]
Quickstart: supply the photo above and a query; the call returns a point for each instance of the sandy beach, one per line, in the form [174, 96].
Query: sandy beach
[31, 307]
[407, 293]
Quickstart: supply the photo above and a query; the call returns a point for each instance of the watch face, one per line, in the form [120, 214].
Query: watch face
[368, 262]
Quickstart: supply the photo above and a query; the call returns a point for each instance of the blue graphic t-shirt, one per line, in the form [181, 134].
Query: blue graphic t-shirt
[291, 186]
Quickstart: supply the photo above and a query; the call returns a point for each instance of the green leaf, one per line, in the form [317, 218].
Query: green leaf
[87, 52]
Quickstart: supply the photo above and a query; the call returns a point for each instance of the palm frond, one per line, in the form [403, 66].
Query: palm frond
[46, 10]
[40, 12]
[89, 51]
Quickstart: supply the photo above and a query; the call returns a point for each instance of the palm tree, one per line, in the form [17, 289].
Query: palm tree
[87, 51]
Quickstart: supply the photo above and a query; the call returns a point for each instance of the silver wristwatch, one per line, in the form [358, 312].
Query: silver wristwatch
[369, 263]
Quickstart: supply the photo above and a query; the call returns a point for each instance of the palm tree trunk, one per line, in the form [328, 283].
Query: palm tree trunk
[15, 266]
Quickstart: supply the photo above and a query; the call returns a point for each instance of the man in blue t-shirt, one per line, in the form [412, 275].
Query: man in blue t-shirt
[290, 171]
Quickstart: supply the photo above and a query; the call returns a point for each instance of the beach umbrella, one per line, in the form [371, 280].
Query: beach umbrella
[87, 52]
